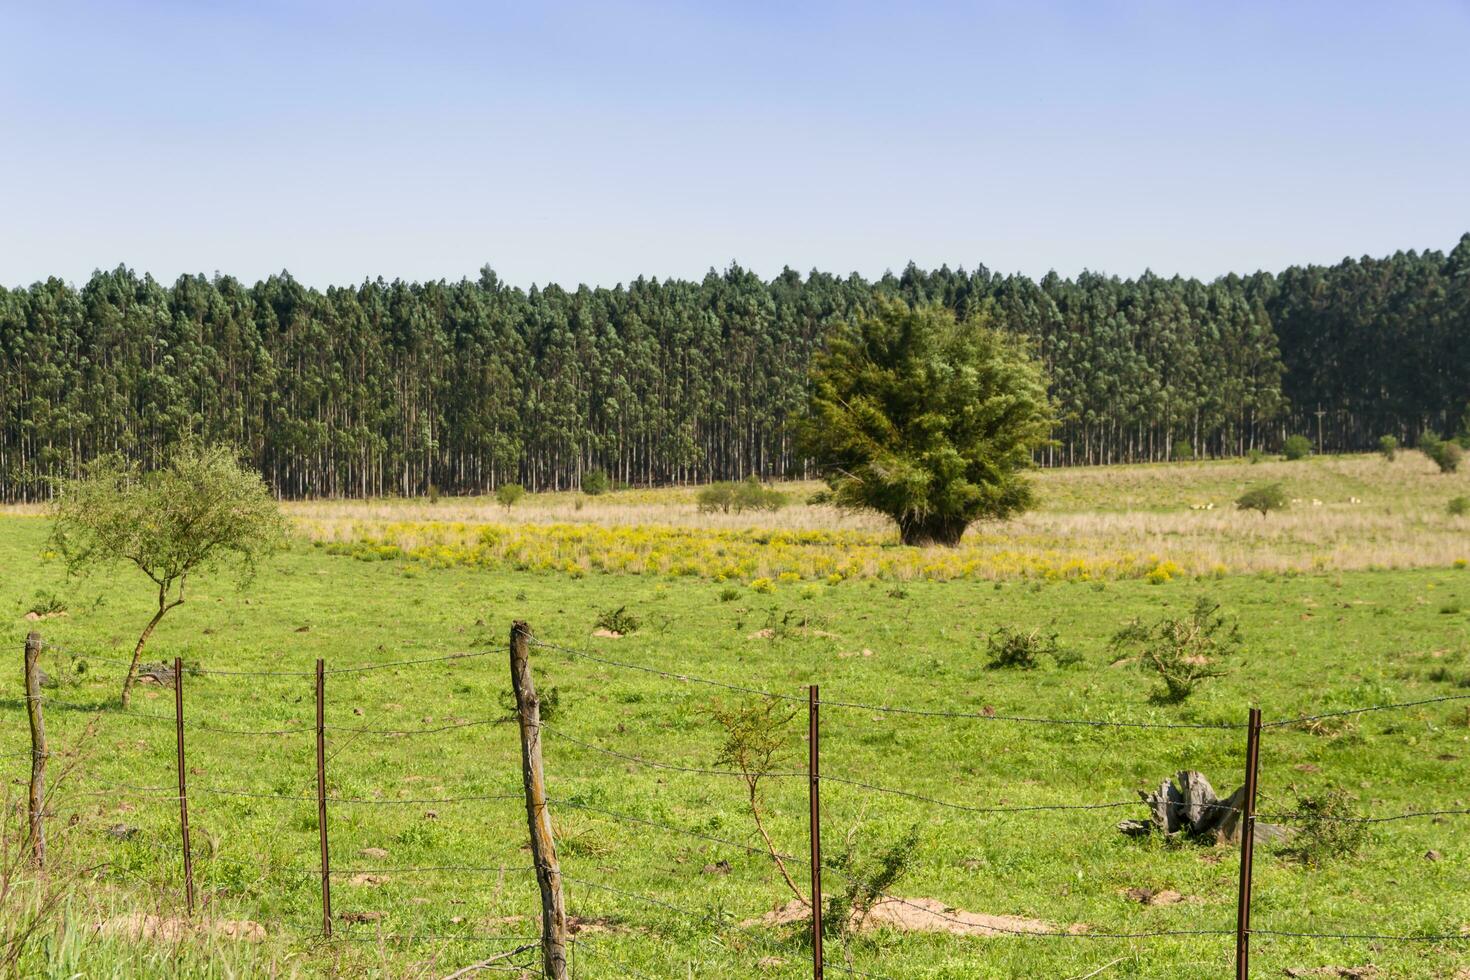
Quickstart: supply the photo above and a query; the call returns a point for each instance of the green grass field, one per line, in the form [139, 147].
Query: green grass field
[1315, 641]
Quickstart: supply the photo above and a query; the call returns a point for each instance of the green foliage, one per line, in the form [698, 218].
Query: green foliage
[729, 594]
[1181, 652]
[595, 483]
[1256, 456]
[425, 377]
[618, 621]
[1183, 449]
[1326, 829]
[1388, 447]
[749, 494]
[716, 498]
[1012, 647]
[866, 878]
[1265, 499]
[1458, 506]
[47, 604]
[201, 511]
[509, 494]
[1296, 447]
[926, 419]
[1444, 453]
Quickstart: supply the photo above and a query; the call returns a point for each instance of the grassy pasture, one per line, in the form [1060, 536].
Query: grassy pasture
[1341, 605]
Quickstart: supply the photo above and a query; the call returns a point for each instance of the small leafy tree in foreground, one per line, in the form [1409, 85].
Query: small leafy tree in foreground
[201, 511]
[1388, 447]
[1296, 447]
[1183, 450]
[757, 743]
[509, 494]
[1271, 496]
[926, 419]
[1181, 652]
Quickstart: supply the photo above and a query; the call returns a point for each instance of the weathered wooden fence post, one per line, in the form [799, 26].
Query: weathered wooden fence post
[814, 827]
[183, 784]
[38, 748]
[1247, 825]
[321, 794]
[543, 845]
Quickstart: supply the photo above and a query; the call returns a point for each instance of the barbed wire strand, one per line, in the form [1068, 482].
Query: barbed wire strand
[870, 707]
[1371, 937]
[360, 668]
[626, 818]
[691, 678]
[1359, 711]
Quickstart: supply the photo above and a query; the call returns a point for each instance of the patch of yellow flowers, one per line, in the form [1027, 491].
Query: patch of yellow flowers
[763, 559]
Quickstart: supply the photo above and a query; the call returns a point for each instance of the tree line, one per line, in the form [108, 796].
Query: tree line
[399, 387]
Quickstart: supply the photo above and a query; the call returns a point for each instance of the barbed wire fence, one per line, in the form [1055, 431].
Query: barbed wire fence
[556, 944]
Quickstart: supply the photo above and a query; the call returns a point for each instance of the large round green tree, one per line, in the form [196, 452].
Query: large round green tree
[929, 420]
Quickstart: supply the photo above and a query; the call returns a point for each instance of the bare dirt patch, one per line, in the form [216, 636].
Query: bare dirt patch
[138, 926]
[927, 915]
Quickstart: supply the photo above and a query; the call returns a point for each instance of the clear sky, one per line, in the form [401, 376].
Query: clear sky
[595, 142]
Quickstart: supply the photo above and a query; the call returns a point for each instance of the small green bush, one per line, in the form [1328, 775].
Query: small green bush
[1271, 496]
[508, 494]
[1256, 456]
[726, 496]
[1445, 454]
[819, 499]
[47, 604]
[1296, 447]
[618, 621]
[1326, 828]
[1183, 450]
[729, 594]
[1388, 447]
[751, 495]
[1011, 648]
[1181, 652]
[595, 483]
[1458, 506]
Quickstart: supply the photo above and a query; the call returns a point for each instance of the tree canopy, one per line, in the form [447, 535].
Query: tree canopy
[926, 418]
[199, 511]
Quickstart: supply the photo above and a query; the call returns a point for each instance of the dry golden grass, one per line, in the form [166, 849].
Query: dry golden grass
[1348, 512]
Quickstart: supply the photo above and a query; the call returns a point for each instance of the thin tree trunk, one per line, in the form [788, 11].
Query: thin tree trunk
[163, 606]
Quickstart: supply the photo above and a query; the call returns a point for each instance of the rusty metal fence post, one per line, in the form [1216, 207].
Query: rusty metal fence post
[321, 794]
[1247, 826]
[38, 748]
[814, 827]
[183, 784]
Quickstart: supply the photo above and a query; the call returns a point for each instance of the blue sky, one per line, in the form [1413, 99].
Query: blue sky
[592, 143]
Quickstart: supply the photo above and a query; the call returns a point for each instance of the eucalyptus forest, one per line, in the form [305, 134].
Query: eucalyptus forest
[457, 387]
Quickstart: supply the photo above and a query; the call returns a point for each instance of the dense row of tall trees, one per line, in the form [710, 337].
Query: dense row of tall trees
[396, 387]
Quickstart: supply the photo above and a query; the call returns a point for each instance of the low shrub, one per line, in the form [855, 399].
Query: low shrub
[1388, 447]
[1458, 506]
[1181, 652]
[1326, 828]
[1011, 648]
[617, 620]
[1296, 447]
[1183, 449]
[595, 483]
[1445, 454]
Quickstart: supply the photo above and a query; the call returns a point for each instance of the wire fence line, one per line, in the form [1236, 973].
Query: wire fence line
[708, 917]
